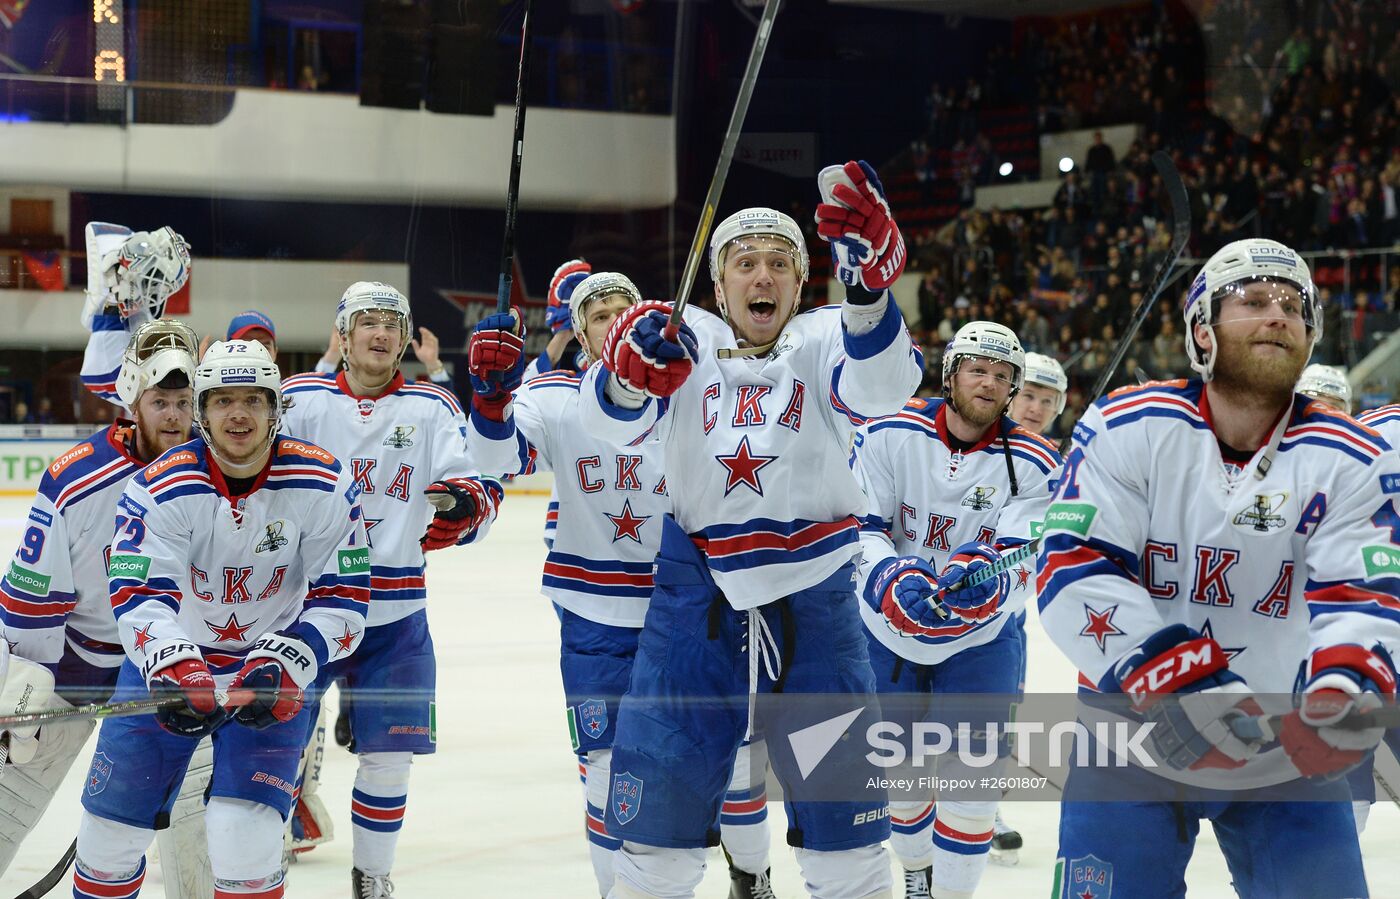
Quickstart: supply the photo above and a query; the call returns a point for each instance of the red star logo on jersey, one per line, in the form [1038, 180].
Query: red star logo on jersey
[623, 807]
[144, 636]
[346, 640]
[1087, 894]
[369, 526]
[1023, 576]
[1230, 651]
[231, 629]
[625, 524]
[1101, 626]
[744, 467]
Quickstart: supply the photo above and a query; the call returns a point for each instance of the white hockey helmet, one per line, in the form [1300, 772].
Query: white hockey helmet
[237, 363]
[1233, 266]
[595, 287]
[1326, 382]
[1046, 371]
[758, 221]
[987, 340]
[368, 296]
[140, 273]
[156, 349]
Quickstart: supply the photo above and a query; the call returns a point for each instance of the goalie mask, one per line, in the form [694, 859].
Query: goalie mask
[156, 349]
[135, 271]
[372, 296]
[734, 236]
[1236, 266]
[985, 340]
[598, 286]
[237, 363]
[1326, 383]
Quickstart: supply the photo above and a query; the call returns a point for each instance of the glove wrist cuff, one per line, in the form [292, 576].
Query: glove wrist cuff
[162, 654]
[293, 653]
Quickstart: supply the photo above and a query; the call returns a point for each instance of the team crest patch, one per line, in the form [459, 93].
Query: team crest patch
[979, 498]
[402, 438]
[1263, 514]
[593, 717]
[273, 539]
[99, 774]
[365, 407]
[1089, 878]
[626, 796]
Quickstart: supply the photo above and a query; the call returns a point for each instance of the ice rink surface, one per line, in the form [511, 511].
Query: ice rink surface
[497, 811]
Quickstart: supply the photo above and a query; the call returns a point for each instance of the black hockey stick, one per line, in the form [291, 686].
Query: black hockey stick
[726, 155]
[51, 879]
[517, 154]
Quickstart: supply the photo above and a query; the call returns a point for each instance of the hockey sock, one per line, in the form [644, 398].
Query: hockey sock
[910, 823]
[90, 884]
[376, 809]
[251, 889]
[743, 830]
[962, 839]
[602, 848]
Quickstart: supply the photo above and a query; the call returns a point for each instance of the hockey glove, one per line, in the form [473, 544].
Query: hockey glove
[866, 246]
[25, 686]
[637, 352]
[973, 603]
[189, 679]
[561, 291]
[905, 592]
[1181, 681]
[1332, 683]
[496, 361]
[463, 505]
[271, 686]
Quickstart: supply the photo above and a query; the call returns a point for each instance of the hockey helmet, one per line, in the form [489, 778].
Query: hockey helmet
[987, 340]
[1045, 371]
[1326, 382]
[595, 287]
[156, 349]
[237, 363]
[758, 221]
[369, 296]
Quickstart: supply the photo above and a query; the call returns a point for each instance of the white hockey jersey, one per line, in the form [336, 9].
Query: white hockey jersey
[611, 499]
[756, 450]
[1148, 527]
[394, 447]
[1386, 420]
[102, 358]
[55, 590]
[189, 563]
[927, 500]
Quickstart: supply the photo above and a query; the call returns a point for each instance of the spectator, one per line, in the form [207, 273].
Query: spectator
[1099, 162]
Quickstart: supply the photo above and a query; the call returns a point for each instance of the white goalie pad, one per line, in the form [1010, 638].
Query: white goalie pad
[309, 824]
[183, 846]
[26, 790]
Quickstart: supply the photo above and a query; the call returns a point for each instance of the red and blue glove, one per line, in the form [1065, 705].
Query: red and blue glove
[866, 245]
[905, 591]
[189, 678]
[1181, 681]
[271, 686]
[637, 352]
[973, 603]
[463, 505]
[561, 291]
[496, 361]
[1334, 683]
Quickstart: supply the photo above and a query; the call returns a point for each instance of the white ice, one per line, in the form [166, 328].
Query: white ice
[497, 811]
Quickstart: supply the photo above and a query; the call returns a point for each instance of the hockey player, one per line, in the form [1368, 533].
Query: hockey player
[951, 483]
[1041, 400]
[403, 441]
[756, 567]
[238, 561]
[55, 612]
[1327, 384]
[131, 276]
[599, 579]
[1214, 539]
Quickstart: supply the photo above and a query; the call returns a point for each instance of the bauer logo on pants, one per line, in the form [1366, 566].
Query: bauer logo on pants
[626, 796]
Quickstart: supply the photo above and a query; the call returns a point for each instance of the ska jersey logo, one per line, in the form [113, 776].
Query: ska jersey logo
[366, 407]
[626, 796]
[99, 774]
[1089, 878]
[592, 718]
[402, 438]
[1263, 515]
[979, 498]
[273, 539]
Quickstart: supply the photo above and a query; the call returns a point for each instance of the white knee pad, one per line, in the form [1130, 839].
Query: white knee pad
[957, 874]
[862, 873]
[384, 769]
[245, 839]
[111, 848]
[654, 872]
[596, 777]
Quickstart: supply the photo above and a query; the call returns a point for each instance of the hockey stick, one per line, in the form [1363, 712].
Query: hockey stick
[726, 155]
[91, 710]
[517, 154]
[51, 879]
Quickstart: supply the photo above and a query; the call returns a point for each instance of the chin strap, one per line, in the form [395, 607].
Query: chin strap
[747, 352]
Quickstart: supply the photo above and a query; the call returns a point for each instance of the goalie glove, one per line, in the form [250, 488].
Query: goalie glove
[866, 245]
[271, 686]
[1181, 681]
[905, 591]
[188, 678]
[638, 354]
[558, 315]
[463, 505]
[1333, 683]
[976, 603]
[25, 686]
[496, 361]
